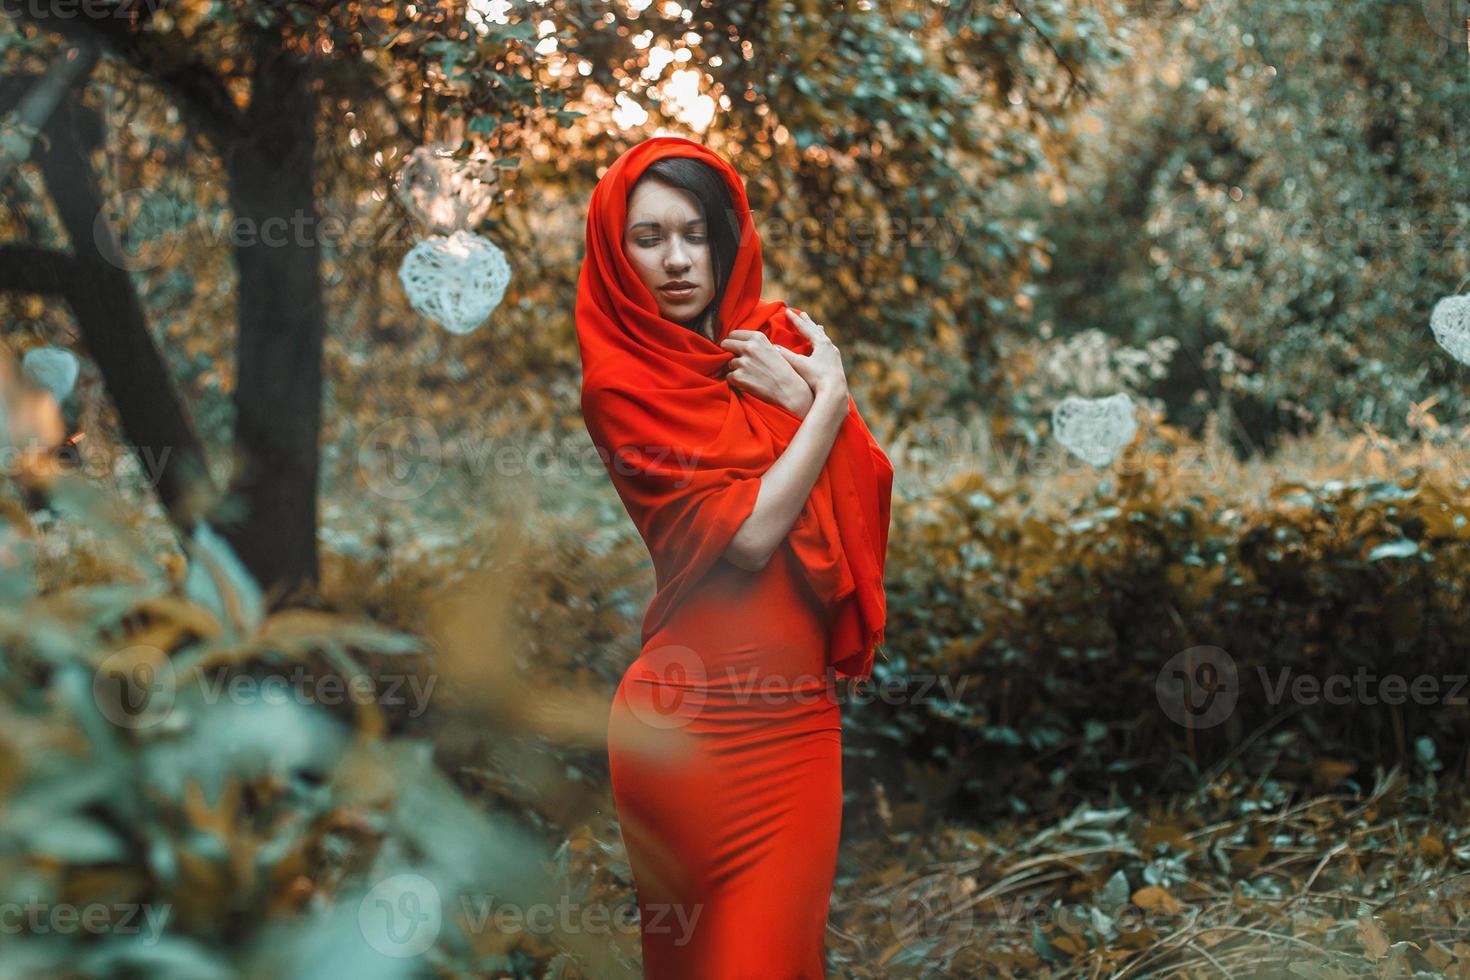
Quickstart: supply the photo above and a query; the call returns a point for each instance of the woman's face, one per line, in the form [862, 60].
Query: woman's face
[667, 241]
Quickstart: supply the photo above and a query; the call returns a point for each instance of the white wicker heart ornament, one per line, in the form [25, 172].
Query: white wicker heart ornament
[1096, 429]
[457, 280]
[446, 192]
[1450, 322]
[53, 368]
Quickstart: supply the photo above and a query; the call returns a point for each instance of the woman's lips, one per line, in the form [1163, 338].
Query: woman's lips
[684, 292]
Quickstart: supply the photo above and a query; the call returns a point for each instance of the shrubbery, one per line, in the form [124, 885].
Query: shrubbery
[1055, 619]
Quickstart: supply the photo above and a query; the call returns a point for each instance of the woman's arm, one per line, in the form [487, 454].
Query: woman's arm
[786, 486]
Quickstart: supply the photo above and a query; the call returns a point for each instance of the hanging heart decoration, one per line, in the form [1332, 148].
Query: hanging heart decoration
[1095, 429]
[457, 280]
[444, 191]
[1450, 322]
[53, 368]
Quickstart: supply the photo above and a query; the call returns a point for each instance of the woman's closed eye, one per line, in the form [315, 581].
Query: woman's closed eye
[650, 242]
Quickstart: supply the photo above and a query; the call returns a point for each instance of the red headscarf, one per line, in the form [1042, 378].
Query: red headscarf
[686, 448]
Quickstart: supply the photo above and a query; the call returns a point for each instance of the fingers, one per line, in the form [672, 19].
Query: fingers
[799, 320]
[806, 324]
[742, 339]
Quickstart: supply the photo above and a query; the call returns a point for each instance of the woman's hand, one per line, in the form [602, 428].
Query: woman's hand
[821, 369]
[759, 368]
[785, 487]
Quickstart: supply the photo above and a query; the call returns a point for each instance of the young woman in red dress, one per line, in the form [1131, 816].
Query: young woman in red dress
[726, 426]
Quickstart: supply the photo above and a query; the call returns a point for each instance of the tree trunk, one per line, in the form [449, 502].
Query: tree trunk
[278, 386]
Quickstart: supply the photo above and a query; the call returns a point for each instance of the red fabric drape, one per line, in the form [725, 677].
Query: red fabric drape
[686, 449]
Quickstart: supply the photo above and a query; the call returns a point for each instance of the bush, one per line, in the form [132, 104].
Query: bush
[1054, 621]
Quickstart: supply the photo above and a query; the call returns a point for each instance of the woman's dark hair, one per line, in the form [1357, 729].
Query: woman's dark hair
[709, 189]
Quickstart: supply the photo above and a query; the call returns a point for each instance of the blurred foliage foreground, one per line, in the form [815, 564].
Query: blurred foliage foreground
[411, 783]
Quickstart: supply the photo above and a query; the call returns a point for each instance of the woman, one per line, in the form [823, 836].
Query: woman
[726, 426]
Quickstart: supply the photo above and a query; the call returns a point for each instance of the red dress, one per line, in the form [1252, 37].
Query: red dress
[725, 744]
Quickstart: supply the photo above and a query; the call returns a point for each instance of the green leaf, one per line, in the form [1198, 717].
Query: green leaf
[1115, 893]
[1403, 548]
[217, 580]
[76, 839]
[163, 958]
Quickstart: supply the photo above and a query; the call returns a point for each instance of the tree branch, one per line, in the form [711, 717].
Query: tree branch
[111, 318]
[41, 100]
[1074, 79]
[33, 269]
[117, 27]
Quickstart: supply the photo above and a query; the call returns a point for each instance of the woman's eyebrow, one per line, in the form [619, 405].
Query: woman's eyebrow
[656, 224]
